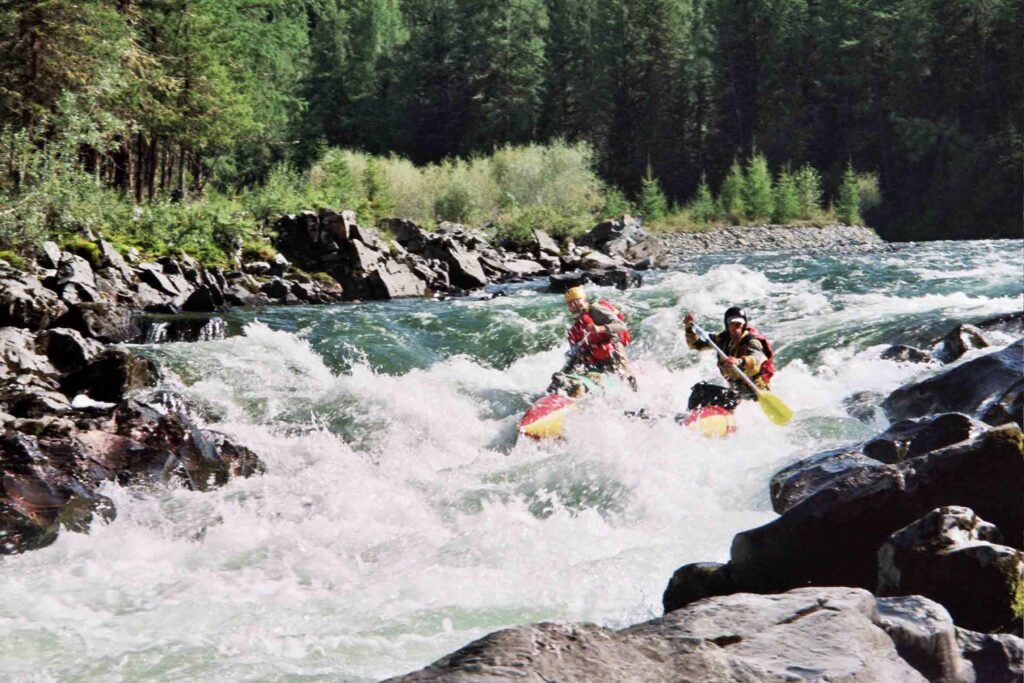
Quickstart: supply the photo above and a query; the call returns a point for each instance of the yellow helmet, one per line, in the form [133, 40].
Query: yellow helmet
[574, 293]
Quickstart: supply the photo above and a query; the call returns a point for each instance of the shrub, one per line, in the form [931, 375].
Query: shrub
[12, 258]
[730, 199]
[87, 249]
[258, 251]
[757, 191]
[868, 191]
[616, 203]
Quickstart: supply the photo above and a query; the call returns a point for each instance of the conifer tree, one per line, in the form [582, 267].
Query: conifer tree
[702, 207]
[848, 205]
[808, 191]
[731, 197]
[787, 202]
[652, 204]
[758, 189]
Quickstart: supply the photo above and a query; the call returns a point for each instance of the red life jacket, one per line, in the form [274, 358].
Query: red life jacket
[598, 346]
[767, 370]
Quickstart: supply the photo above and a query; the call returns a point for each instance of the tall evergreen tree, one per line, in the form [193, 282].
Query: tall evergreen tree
[848, 204]
[730, 199]
[757, 191]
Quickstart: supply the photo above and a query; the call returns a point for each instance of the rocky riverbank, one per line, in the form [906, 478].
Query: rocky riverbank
[848, 238]
[899, 558]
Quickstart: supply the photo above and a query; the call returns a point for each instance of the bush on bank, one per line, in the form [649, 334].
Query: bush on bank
[553, 187]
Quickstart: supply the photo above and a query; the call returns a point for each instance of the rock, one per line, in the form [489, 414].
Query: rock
[207, 298]
[256, 268]
[864, 406]
[1008, 323]
[793, 484]
[562, 282]
[276, 289]
[279, 265]
[110, 258]
[962, 389]
[464, 269]
[523, 268]
[49, 258]
[996, 658]
[624, 227]
[959, 341]
[395, 280]
[158, 281]
[338, 226]
[807, 634]
[906, 354]
[37, 497]
[694, 582]
[925, 637]
[412, 237]
[952, 541]
[67, 349]
[75, 269]
[111, 376]
[595, 260]
[170, 266]
[33, 397]
[18, 355]
[543, 243]
[832, 537]
[1007, 408]
[102, 321]
[25, 302]
[910, 438]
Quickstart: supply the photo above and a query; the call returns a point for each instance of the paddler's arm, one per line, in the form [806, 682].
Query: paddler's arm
[692, 340]
[605, 321]
[755, 356]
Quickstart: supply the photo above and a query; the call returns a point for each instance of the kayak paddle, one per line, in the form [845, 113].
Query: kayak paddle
[773, 406]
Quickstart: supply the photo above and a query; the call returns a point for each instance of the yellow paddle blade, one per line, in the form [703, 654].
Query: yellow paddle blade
[774, 407]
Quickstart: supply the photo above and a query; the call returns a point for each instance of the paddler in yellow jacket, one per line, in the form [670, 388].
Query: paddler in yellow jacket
[596, 337]
[746, 349]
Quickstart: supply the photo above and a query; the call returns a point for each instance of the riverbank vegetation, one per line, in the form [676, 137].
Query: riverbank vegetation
[188, 124]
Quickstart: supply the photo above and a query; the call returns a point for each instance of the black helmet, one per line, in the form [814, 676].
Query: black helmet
[734, 312]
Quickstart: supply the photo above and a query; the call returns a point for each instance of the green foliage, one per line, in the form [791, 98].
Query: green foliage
[808, 191]
[13, 259]
[87, 249]
[702, 207]
[378, 195]
[757, 192]
[652, 203]
[787, 199]
[258, 251]
[615, 203]
[515, 228]
[848, 204]
[731, 199]
[870, 196]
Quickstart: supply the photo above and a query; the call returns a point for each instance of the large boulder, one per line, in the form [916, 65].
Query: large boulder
[910, 438]
[67, 349]
[804, 478]
[38, 494]
[926, 637]
[395, 280]
[923, 557]
[808, 634]
[693, 582]
[959, 341]
[19, 357]
[966, 388]
[995, 658]
[111, 375]
[103, 321]
[832, 537]
[464, 269]
[25, 302]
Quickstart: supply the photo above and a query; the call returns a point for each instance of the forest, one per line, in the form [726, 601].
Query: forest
[214, 112]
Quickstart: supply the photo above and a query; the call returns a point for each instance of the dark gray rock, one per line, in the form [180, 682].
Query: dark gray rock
[1008, 323]
[19, 356]
[67, 349]
[833, 536]
[464, 269]
[793, 484]
[32, 397]
[543, 243]
[907, 354]
[807, 634]
[276, 289]
[25, 302]
[1007, 408]
[256, 268]
[925, 637]
[411, 236]
[864, 406]
[697, 581]
[910, 438]
[111, 259]
[170, 266]
[996, 658]
[206, 298]
[102, 321]
[966, 388]
[49, 257]
[394, 281]
[279, 265]
[158, 281]
[111, 376]
[923, 557]
[959, 341]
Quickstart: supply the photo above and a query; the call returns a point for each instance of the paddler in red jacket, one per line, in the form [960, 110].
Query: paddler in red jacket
[747, 351]
[597, 337]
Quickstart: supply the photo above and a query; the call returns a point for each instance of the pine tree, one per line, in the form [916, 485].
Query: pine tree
[652, 203]
[702, 207]
[808, 191]
[730, 198]
[758, 189]
[378, 194]
[787, 202]
[848, 206]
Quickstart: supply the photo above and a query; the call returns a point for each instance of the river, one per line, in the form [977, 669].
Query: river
[399, 518]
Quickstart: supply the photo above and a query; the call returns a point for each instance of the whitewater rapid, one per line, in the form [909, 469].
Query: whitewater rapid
[399, 518]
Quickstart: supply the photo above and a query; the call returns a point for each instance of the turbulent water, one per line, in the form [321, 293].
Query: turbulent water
[400, 519]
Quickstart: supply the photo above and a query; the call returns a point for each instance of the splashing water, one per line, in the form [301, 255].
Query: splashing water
[399, 518]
